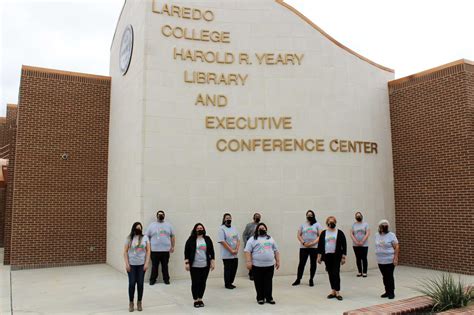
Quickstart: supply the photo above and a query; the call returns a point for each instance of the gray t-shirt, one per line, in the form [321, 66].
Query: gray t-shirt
[310, 233]
[330, 242]
[160, 234]
[360, 230]
[136, 250]
[384, 250]
[263, 251]
[200, 258]
[249, 231]
[231, 237]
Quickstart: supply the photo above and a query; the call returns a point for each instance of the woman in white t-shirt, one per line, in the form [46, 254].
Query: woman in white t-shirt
[360, 233]
[137, 257]
[386, 251]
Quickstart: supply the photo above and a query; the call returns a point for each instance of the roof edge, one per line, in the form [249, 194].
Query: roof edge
[62, 72]
[320, 30]
[429, 71]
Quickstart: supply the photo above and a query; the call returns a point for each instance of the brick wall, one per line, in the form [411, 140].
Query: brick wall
[3, 154]
[59, 205]
[433, 156]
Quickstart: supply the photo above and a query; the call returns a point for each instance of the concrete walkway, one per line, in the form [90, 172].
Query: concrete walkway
[100, 289]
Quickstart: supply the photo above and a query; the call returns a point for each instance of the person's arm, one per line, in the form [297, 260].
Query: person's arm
[173, 242]
[248, 260]
[321, 246]
[148, 254]
[366, 237]
[343, 248]
[212, 253]
[186, 255]
[246, 234]
[222, 241]
[356, 241]
[299, 236]
[238, 247]
[396, 246]
[277, 260]
[125, 257]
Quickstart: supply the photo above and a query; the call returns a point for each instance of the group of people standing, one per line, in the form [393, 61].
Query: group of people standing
[262, 256]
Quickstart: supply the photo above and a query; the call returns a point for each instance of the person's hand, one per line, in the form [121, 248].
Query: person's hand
[235, 252]
[343, 260]
[249, 265]
[319, 260]
[277, 265]
[127, 267]
[395, 261]
[213, 265]
[145, 268]
[186, 266]
[171, 250]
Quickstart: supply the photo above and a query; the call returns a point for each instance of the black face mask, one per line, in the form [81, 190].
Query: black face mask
[200, 232]
[257, 220]
[332, 225]
[262, 232]
[161, 217]
[138, 231]
[311, 219]
[228, 222]
[359, 219]
[384, 229]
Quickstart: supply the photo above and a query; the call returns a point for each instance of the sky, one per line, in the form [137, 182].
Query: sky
[75, 35]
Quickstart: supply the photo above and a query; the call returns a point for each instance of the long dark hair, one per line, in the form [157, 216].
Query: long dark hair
[132, 232]
[255, 235]
[312, 212]
[223, 218]
[193, 232]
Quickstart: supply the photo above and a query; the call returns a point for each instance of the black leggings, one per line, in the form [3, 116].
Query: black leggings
[136, 276]
[361, 258]
[333, 267]
[263, 281]
[230, 270]
[388, 279]
[198, 281]
[304, 253]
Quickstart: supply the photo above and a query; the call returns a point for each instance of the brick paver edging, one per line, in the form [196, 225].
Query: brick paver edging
[465, 310]
[406, 306]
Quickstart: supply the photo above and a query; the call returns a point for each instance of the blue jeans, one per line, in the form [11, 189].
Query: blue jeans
[136, 276]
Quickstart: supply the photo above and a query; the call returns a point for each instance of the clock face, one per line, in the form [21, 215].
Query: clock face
[126, 49]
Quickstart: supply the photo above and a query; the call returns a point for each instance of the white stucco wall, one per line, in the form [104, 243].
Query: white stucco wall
[163, 157]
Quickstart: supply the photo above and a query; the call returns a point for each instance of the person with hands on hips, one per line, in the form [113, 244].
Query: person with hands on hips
[137, 257]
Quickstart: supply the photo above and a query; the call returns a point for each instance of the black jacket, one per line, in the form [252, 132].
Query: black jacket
[341, 244]
[190, 249]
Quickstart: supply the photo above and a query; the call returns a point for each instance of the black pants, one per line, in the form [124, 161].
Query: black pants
[312, 253]
[361, 258]
[230, 270]
[263, 281]
[198, 281]
[333, 267]
[156, 259]
[388, 279]
[136, 276]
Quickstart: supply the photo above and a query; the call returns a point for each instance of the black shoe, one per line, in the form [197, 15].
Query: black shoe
[233, 286]
[391, 296]
[167, 282]
[364, 275]
[339, 298]
[271, 302]
[201, 304]
[311, 283]
[331, 296]
[152, 282]
[229, 286]
[261, 302]
[384, 295]
[359, 275]
[196, 304]
[297, 282]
